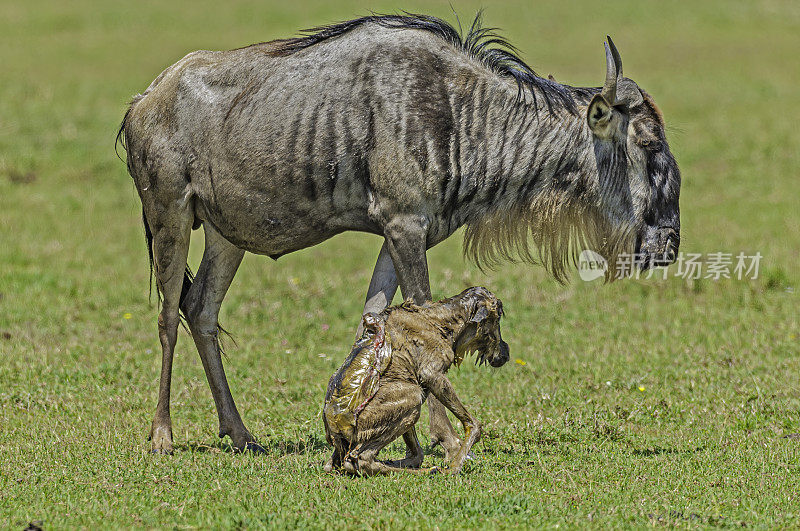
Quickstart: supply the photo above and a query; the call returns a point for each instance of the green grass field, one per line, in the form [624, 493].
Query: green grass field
[643, 402]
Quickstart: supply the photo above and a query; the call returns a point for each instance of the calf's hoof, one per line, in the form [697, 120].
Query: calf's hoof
[451, 447]
[350, 467]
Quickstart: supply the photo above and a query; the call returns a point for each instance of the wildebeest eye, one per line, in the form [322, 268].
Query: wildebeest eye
[649, 144]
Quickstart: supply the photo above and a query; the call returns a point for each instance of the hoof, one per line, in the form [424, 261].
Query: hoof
[407, 462]
[242, 440]
[161, 451]
[161, 441]
[350, 467]
[249, 446]
[450, 447]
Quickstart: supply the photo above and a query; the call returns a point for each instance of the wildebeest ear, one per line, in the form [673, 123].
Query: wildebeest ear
[480, 315]
[599, 115]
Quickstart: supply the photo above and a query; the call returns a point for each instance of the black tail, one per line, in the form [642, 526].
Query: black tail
[121, 138]
[188, 276]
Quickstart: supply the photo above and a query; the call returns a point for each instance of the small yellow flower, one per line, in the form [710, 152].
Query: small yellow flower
[520, 362]
[641, 388]
[127, 315]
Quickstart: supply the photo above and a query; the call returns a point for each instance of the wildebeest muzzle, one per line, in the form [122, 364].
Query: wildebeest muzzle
[659, 247]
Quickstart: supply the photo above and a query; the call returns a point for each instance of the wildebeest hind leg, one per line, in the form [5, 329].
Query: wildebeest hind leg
[220, 261]
[169, 230]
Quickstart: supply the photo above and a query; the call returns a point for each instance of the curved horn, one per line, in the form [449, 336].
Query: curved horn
[615, 55]
[627, 91]
[609, 91]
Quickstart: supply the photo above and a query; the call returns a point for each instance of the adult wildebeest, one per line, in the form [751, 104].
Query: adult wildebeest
[394, 125]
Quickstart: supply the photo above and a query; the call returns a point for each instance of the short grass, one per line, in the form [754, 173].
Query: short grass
[639, 403]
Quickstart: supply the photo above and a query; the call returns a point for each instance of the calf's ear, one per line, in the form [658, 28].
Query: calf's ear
[599, 115]
[466, 335]
[471, 329]
[480, 315]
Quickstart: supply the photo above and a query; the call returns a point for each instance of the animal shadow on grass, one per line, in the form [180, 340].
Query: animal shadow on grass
[657, 450]
[276, 447]
[273, 447]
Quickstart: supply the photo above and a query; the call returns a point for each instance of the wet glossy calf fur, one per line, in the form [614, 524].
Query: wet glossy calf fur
[402, 357]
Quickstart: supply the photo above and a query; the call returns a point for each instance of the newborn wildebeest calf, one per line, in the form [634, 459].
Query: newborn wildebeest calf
[403, 355]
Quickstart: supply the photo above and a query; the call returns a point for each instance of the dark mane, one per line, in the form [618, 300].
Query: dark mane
[483, 44]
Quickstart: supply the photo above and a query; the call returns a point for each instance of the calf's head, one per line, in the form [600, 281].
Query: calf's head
[639, 181]
[481, 332]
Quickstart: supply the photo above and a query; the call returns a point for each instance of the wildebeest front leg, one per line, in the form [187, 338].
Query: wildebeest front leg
[406, 239]
[440, 386]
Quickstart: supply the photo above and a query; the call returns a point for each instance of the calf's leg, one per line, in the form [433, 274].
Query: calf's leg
[441, 387]
[393, 411]
[334, 462]
[414, 454]
[369, 466]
